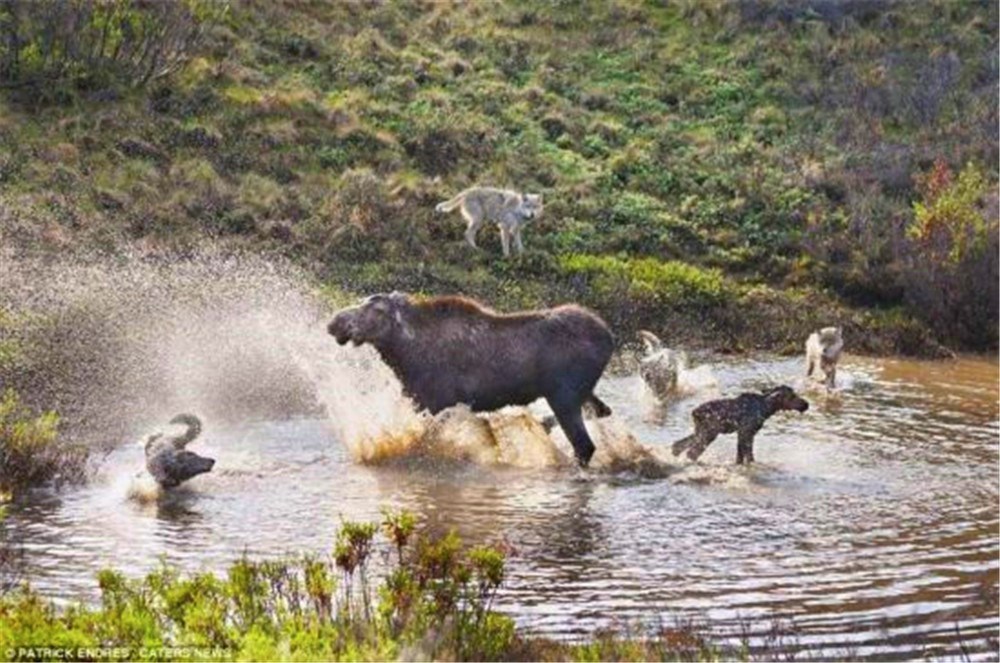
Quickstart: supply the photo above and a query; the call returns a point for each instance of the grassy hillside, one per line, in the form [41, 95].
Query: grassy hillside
[731, 174]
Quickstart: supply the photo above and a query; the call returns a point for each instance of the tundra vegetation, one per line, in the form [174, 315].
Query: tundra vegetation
[386, 591]
[727, 173]
[732, 174]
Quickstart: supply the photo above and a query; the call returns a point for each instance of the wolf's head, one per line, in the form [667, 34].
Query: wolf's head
[531, 205]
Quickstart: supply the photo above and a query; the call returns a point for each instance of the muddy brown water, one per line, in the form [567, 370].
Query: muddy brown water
[868, 528]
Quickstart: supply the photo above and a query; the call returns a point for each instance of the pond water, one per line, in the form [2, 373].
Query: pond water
[868, 527]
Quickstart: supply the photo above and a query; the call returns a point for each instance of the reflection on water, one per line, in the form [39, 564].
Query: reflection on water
[870, 523]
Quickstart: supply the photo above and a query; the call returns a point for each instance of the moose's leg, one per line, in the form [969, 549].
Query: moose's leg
[570, 417]
[744, 446]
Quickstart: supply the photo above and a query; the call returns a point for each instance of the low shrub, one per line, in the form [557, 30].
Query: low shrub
[951, 269]
[433, 600]
[669, 283]
[31, 453]
[94, 45]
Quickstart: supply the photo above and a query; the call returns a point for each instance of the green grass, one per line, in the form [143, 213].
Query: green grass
[778, 143]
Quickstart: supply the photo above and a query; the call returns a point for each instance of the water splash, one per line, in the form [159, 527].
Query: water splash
[695, 381]
[364, 401]
[512, 437]
[120, 345]
[128, 342]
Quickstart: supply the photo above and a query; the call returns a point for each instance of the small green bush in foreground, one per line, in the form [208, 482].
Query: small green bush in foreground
[433, 600]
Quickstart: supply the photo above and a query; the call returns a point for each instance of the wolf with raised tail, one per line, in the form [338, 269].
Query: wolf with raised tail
[510, 210]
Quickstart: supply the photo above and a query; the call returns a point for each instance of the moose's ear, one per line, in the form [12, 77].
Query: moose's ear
[398, 297]
[404, 326]
[379, 302]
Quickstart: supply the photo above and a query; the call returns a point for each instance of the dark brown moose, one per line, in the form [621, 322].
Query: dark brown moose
[450, 350]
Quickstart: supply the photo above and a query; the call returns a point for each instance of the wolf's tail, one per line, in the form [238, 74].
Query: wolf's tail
[651, 340]
[193, 428]
[449, 205]
[680, 445]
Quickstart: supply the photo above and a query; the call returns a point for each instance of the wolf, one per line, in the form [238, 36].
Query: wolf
[660, 367]
[823, 350]
[510, 210]
[168, 461]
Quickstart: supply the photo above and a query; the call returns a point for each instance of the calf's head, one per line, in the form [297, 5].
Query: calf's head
[377, 319]
[785, 398]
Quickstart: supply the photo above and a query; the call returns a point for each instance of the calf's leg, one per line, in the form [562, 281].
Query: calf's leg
[682, 444]
[744, 447]
[702, 438]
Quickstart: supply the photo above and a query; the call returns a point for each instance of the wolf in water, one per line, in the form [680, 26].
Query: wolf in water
[510, 210]
[823, 350]
[660, 367]
[168, 461]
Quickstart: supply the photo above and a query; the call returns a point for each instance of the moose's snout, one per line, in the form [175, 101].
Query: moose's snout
[802, 405]
[339, 329]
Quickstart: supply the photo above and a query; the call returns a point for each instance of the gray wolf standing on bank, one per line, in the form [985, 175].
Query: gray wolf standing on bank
[510, 210]
[451, 350]
[167, 460]
[823, 350]
[660, 367]
[743, 415]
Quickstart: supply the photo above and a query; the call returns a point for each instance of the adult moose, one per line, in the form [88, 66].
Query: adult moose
[450, 350]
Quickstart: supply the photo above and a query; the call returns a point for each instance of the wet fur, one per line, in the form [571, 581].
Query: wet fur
[167, 460]
[659, 367]
[823, 350]
[743, 415]
[450, 350]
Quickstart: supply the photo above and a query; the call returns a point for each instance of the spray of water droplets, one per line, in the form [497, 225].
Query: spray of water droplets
[121, 345]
